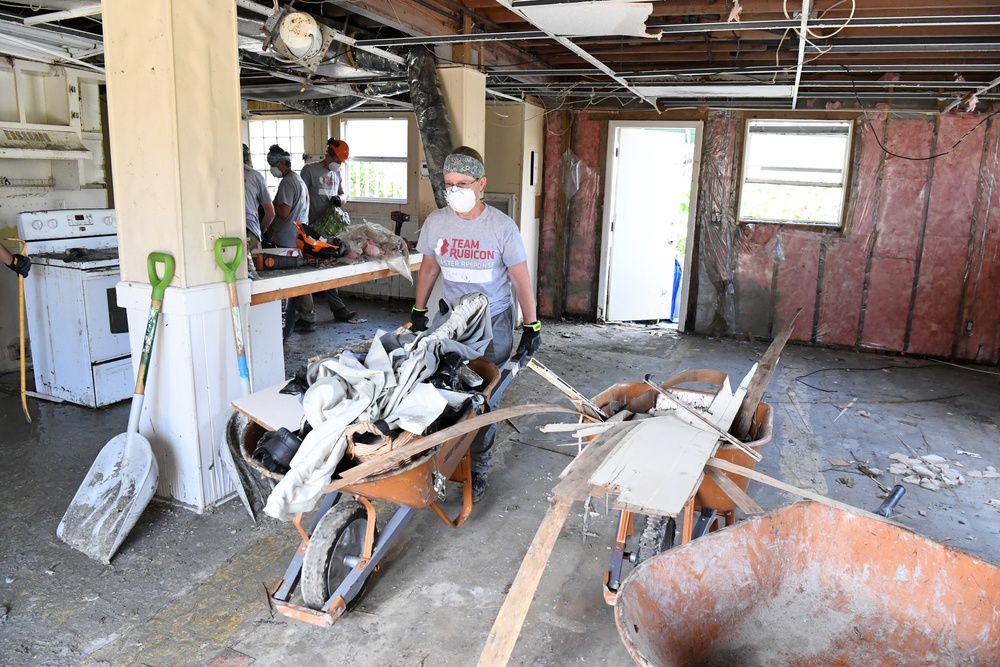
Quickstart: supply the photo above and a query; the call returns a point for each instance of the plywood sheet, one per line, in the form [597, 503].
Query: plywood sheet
[272, 409]
[658, 465]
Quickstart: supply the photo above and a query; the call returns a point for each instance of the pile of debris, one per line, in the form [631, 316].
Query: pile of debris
[934, 472]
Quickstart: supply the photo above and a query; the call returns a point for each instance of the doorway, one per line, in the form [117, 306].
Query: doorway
[648, 220]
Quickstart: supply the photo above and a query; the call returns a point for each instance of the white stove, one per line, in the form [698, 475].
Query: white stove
[79, 335]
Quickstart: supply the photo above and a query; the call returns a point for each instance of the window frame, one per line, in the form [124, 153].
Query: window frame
[357, 159]
[845, 173]
[295, 157]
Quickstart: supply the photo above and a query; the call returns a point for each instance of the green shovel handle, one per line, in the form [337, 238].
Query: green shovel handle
[229, 269]
[159, 283]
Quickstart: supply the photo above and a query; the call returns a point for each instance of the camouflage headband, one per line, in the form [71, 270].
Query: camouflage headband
[457, 163]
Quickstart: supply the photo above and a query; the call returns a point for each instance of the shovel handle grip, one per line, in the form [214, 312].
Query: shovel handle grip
[159, 282]
[230, 268]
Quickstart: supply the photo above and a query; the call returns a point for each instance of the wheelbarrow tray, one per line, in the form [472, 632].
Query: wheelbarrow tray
[638, 397]
[810, 585]
[412, 484]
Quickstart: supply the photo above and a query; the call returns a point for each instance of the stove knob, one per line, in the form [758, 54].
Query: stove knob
[37, 224]
[53, 223]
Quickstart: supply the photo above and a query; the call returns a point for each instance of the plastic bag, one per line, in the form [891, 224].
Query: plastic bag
[333, 222]
[366, 240]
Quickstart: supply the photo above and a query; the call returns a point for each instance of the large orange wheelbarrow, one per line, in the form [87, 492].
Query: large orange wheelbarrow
[344, 546]
[711, 506]
[809, 585]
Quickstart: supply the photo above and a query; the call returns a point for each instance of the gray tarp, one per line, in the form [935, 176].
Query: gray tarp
[390, 385]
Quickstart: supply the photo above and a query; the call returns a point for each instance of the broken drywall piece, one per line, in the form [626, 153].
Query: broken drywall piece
[993, 502]
[972, 454]
[592, 19]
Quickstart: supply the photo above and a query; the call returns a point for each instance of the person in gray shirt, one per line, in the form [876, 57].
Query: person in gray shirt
[324, 181]
[255, 196]
[291, 201]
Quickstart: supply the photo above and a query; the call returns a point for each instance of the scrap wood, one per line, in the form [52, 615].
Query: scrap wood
[658, 465]
[749, 451]
[746, 504]
[574, 484]
[393, 459]
[768, 363]
[507, 626]
[742, 471]
[576, 397]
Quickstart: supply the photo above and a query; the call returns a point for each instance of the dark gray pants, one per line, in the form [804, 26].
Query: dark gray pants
[498, 353]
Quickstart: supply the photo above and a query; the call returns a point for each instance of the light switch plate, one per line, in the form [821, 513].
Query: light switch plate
[213, 231]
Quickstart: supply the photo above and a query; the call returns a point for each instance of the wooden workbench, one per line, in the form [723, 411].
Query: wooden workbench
[286, 283]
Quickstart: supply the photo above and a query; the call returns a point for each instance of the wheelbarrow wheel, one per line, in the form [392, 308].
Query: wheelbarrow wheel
[657, 535]
[338, 539]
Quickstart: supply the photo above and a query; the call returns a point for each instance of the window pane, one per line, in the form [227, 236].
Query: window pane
[794, 172]
[791, 203]
[376, 137]
[377, 180]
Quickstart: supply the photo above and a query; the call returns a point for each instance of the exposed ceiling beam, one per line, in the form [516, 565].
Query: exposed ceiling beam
[79, 12]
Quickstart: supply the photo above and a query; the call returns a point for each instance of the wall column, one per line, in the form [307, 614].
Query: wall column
[174, 116]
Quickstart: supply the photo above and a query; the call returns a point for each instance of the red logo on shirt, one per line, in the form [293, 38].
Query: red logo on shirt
[465, 249]
[442, 248]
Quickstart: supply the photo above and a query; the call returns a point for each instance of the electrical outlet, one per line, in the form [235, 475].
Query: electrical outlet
[213, 231]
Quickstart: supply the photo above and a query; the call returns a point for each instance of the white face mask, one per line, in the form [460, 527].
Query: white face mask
[276, 172]
[334, 165]
[462, 200]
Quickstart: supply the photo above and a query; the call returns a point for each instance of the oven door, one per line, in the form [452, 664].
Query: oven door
[107, 327]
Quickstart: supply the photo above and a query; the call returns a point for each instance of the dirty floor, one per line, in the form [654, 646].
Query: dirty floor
[187, 589]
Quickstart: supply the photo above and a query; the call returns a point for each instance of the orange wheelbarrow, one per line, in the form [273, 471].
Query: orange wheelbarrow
[713, 507]
[344, 546]
[810, 585]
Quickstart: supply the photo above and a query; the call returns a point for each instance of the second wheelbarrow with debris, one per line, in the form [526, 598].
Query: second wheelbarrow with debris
[711, 505]
[344, 545]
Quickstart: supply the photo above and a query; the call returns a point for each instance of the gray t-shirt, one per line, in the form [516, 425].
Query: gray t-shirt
[292, 192]
[323, 185]
[255, 194]
[474, 255]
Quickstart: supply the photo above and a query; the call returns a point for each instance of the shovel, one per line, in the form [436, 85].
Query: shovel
[20, 312]
[123, 478]
[225, 454]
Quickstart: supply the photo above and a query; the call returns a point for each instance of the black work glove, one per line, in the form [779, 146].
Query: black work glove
[335, 200]
[418, 319]
[531, 338]
[20, 265]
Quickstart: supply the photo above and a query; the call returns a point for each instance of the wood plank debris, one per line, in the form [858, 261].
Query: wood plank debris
[584, 403]
[758, 385]
[746, 504]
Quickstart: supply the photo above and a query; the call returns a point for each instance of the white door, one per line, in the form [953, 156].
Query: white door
[647, 215]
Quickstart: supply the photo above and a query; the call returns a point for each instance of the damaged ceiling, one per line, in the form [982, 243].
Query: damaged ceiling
[329, 56]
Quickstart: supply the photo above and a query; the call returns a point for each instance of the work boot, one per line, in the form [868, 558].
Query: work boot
[344, 314]
[478, 486]
[303, 326]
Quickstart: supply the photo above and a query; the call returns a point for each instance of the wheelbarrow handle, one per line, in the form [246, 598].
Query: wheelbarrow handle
[230, 268]
[890, 502]
[510, 371]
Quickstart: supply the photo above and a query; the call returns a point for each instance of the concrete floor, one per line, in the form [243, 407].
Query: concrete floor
[187, 589]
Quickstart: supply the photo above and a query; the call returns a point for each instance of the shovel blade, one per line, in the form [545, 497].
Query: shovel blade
[117, 488]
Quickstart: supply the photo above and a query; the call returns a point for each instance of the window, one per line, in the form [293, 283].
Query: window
[795, 171]
[288, 133]
[377, 168]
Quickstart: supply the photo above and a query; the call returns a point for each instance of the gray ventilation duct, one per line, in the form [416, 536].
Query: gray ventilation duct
[432, 116]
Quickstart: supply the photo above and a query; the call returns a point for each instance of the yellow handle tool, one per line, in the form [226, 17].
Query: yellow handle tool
[20, 309]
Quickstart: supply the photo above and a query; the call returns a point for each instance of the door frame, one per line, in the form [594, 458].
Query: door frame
[611, 169]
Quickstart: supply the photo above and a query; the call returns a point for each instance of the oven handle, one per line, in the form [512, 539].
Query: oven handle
[159, 283]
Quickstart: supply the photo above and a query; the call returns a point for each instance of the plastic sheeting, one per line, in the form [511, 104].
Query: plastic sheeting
[906, 272]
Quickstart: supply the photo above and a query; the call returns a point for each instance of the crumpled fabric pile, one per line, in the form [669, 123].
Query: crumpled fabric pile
[390, 385]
